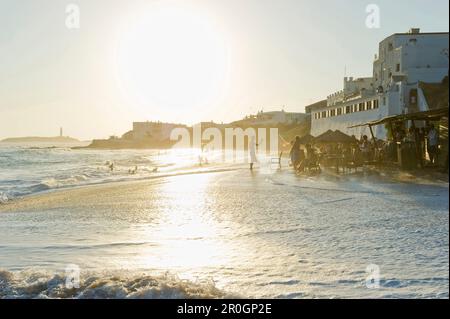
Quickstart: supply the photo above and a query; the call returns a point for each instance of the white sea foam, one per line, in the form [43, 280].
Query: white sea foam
[3, 198]
[33, 170]
[101, 285]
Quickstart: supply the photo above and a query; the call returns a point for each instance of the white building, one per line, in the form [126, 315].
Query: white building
[157, 131]
[404, 61]
[275, 118]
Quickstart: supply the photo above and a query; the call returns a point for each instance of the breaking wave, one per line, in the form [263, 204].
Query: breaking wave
[29, 284]
[43, 170]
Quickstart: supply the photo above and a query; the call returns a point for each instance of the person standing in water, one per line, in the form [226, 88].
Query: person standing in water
[433, 144]
[295, 153]
[252, 149]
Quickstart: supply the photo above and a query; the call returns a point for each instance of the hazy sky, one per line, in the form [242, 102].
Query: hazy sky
[183, 61]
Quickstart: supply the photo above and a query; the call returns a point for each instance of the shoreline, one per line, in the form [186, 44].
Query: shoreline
[419, 178]
[110, 184]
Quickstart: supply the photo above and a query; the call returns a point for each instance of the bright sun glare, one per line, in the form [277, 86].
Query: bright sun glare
[172, 62]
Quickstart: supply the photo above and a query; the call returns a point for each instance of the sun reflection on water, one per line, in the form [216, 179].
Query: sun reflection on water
[189, 234]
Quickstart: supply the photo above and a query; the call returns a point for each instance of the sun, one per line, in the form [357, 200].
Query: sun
[172, 62]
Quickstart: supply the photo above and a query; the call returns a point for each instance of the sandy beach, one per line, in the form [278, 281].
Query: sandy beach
[231, 233]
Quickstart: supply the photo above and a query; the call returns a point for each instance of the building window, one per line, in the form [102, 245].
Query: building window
[348, 109]
[368, 105]
[375, 104]
[333, 112]
[390, 47]
[384, 100]
[361, 107]
[324, 114]
[339, 111]
[397, 68]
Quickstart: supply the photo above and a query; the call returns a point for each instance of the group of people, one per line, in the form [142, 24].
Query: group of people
[354, 154]
[132, 171]
[337, 154]
[302, 159]
[363, 151]
[425, 140]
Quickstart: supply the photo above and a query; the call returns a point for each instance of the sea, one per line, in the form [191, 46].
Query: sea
[197, 228]
[27, 169]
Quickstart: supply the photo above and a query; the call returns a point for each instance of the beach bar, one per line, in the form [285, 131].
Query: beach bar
[407, 155]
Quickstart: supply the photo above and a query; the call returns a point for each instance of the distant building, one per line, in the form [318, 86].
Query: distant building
[156, 131]
[405, 62]
[318, 105]
[212, 124]
[274, 118]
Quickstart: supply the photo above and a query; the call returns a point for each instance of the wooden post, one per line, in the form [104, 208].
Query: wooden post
[397, 145]
[373, 138]
[392, 132]
[418, 146]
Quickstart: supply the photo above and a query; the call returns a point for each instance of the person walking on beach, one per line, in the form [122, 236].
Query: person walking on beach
[295, 152]
[252, 148]
[365, 148]
[310, 159]
[433, 141]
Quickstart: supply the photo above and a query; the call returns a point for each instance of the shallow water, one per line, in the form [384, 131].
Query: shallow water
[261, 234]
[29, 169]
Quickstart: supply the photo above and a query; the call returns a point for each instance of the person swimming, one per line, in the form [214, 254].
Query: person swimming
[133, 171]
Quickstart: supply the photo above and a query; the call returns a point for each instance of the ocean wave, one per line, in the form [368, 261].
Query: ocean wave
[50, 184]
[40, 169]
[68, 181]
[30, 284]
[98, 246]
[3, 198]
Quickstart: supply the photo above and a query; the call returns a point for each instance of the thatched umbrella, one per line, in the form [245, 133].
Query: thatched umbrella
[330, 137]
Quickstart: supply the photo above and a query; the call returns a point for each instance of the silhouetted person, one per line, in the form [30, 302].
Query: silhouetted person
[252, 146]
[295, 152]
[365, 147]
[433, 142]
